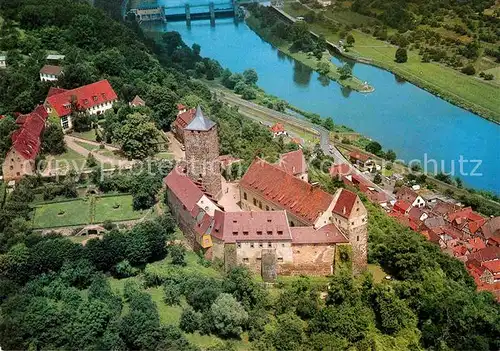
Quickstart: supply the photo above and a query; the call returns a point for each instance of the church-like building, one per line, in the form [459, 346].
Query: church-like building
[286, 225]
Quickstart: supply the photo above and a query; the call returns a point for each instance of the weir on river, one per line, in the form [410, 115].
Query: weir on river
[402, 117]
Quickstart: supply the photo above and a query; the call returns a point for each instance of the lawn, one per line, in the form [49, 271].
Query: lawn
[466, 91]
[164, 156]
[104, 209]
[89, 135]
[83, 212]
[60, 214]
[68, 160]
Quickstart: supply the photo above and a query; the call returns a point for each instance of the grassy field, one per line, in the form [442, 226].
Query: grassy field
[89, 135]
[466, 91]
[68, 160]
[90, 147]
[61, 214]
[85, 211]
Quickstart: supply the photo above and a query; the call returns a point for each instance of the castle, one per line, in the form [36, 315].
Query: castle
[286, 225]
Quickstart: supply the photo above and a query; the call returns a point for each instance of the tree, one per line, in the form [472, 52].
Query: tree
[373, 147]
[137, 137]
[196, 49]
[328, 123]
[345, 71]
[350, 39]
[172, 292]
[81, 121]
[289, 333]
[53, 139]
[190, 320]
[178, 254]
[390, 155]
[240, 283]
[7, 126]
[228, 316]
[469, 70]
[250, 76]
[323, 68]
[377, 179]
[401, 55]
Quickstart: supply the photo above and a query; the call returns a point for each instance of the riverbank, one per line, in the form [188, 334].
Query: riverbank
[308, 59]
[470, 93]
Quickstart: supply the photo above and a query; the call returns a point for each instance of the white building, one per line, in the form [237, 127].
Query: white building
[50, 73]
[3, 61]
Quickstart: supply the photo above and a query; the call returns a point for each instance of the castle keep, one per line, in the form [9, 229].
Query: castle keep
[285, 226]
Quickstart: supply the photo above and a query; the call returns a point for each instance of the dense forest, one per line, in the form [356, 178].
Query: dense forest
[56, 294]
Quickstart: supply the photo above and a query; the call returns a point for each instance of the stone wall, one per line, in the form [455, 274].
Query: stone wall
[202, 152]
[15, 166]
[310, 259]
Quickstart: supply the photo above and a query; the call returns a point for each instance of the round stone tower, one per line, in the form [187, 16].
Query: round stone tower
[202, 153]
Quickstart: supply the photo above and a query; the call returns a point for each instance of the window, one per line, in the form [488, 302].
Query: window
[260, 244]
[245, 232]
[252, 245]
[269, 220]
[11, 168]
[269, 232]
[235, 232]
[245, 259]
[65, 122]
[282, 245]
[258, 258]
[357, 238]
[254, 201]
[280, 259]
[267, 208]
[239, 245]
[352, 223]
[94, 97]
[260, 205]
[18, 173]
[292, 224]
[280, 232]
[269, 245]
[259, 232]
[245, 196]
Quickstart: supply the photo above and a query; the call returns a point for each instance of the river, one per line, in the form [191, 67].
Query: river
[401, 116]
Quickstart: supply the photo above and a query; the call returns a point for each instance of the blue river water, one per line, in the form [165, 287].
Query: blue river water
[399, 115]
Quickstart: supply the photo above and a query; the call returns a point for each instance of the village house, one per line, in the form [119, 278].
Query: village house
[287, 225]
[491, 231]
[95, 99]
[26, 144]
[409, 196]
[339, 170]
[278, 129]
[3, 61]
[466, 220]
[49, 73]
[137, 101]
[360, 159]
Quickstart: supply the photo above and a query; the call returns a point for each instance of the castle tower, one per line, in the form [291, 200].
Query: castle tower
[350, 215]
[202, 153]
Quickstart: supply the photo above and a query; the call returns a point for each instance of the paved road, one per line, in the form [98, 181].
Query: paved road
[324, 134]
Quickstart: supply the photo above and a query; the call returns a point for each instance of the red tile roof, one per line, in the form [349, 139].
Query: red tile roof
[255, 226]
[137, 101]
[467, 217]
[278, 128]
[401, 206]
[489, 253]
[183, 187]
[52, 70]
[359, 156]
[491, 229]
[181, 107]
[444, 208]
[493, 266]
[328, 234]
[415, 213]
[293, 162]
[185, 118]
[340, 169]
[345, 203]
[296, 196]
[26, 140]
[406, 194]
[476, 244]
[86, 97]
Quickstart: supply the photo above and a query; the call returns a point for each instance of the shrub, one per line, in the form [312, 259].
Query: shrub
[401, 55]
[469, 70]
[190, 320]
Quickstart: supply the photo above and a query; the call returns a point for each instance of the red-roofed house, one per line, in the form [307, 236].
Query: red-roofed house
[359, 158]
[410, 196]
[50, 73]
[475, 244]
[137, 101]
[466, 220]
[402, 206]
[491, 231]
[339, 170]
[95, 98]
[26, 143]
[184, 117]
[278, 129]
[294, 162]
